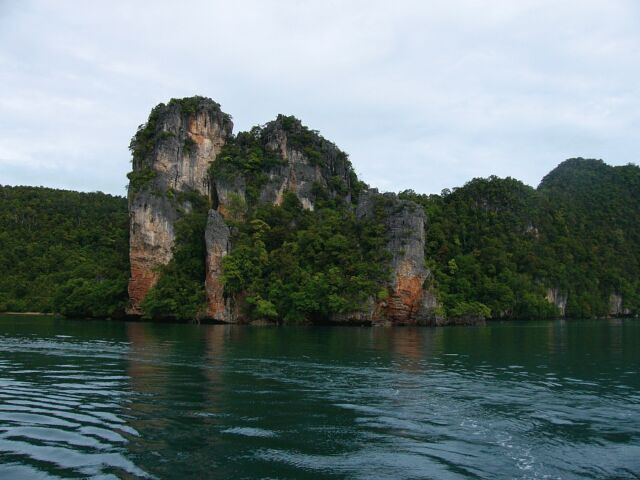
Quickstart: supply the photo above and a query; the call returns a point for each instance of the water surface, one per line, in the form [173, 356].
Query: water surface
[556, 400]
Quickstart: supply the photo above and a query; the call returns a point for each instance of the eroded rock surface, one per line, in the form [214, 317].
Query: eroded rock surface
[616, 306]
[306, 170]
[218, 241]
[559, 299]
[408, 302]
[310, 166]
[172, 158]
[172, 154]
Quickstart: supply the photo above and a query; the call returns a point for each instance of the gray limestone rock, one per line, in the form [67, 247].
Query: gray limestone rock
[218, 242]
[171, 156]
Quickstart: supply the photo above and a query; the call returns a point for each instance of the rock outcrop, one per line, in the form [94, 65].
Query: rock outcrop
[616, 306]
[409, 302]
[151, 234]
[218, 241]
[301, 162]
[306, 170]
[309, 166]
[559, 299]
[171, 155]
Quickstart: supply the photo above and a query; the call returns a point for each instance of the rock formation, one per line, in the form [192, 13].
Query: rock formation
[179, 152]
[409, 302]
[218, 241]
[171, 155]
[617, 307]
[325, 167]
[559, 299]
[304, 170]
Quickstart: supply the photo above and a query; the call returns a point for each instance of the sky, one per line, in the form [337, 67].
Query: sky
[422, 95]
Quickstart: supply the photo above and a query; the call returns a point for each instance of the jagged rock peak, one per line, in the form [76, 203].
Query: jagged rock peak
[174, 148]
[261, 165]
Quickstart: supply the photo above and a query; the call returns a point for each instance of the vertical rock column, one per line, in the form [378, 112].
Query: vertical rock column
[172, 153]
[559, 299]
[217, 238]
[408, 301]
[408, 271]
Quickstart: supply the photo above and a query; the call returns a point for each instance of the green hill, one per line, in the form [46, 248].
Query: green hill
[63, 251]
[501, 244]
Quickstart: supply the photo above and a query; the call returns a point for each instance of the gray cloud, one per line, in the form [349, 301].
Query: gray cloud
[423, 95]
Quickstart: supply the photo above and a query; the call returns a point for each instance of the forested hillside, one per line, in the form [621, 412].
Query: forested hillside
[63, 251]
[497, 246]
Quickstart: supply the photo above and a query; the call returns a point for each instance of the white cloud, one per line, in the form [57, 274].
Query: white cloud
[423, 95]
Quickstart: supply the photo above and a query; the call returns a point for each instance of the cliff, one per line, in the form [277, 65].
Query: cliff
[171, 156]
[186, 148]
[218, 244]
[408, 301]
[261, 165]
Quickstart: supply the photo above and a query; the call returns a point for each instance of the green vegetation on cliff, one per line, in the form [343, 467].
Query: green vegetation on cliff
[246, 157]
[179, 293]
[62, 251]
[287, 262]
[296, 264]
[255, 155]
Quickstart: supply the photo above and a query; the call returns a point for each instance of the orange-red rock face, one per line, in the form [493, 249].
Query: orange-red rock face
[142, 279]
[217, 238]
[408, 302]
[406, 298]
[151, 236]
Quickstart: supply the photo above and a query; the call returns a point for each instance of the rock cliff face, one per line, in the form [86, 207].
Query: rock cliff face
[151, 234]
[559, 299]
[300, 162]
[616, 306]
[409, 302]
[305, 170]
[218, 241]
[171, 155]
[309, 166]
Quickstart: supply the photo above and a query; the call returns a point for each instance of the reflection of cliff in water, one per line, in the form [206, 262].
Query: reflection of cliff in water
[176, 375]
[411, 349]
[215, 338]
[146, 373]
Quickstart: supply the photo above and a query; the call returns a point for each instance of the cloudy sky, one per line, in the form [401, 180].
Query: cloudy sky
[421, 94]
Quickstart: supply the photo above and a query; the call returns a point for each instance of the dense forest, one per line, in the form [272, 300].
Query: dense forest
[63, 251]
[495, 246]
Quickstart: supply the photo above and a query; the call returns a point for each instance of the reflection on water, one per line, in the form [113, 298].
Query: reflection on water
[136, 400]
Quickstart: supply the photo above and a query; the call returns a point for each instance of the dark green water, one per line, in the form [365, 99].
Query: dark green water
[550, 400]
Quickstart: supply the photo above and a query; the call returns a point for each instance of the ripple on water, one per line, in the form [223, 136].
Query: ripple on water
[242, 403]
[250, 432]
[52, 428]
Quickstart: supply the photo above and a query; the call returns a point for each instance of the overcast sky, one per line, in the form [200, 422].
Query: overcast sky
[421, 94]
